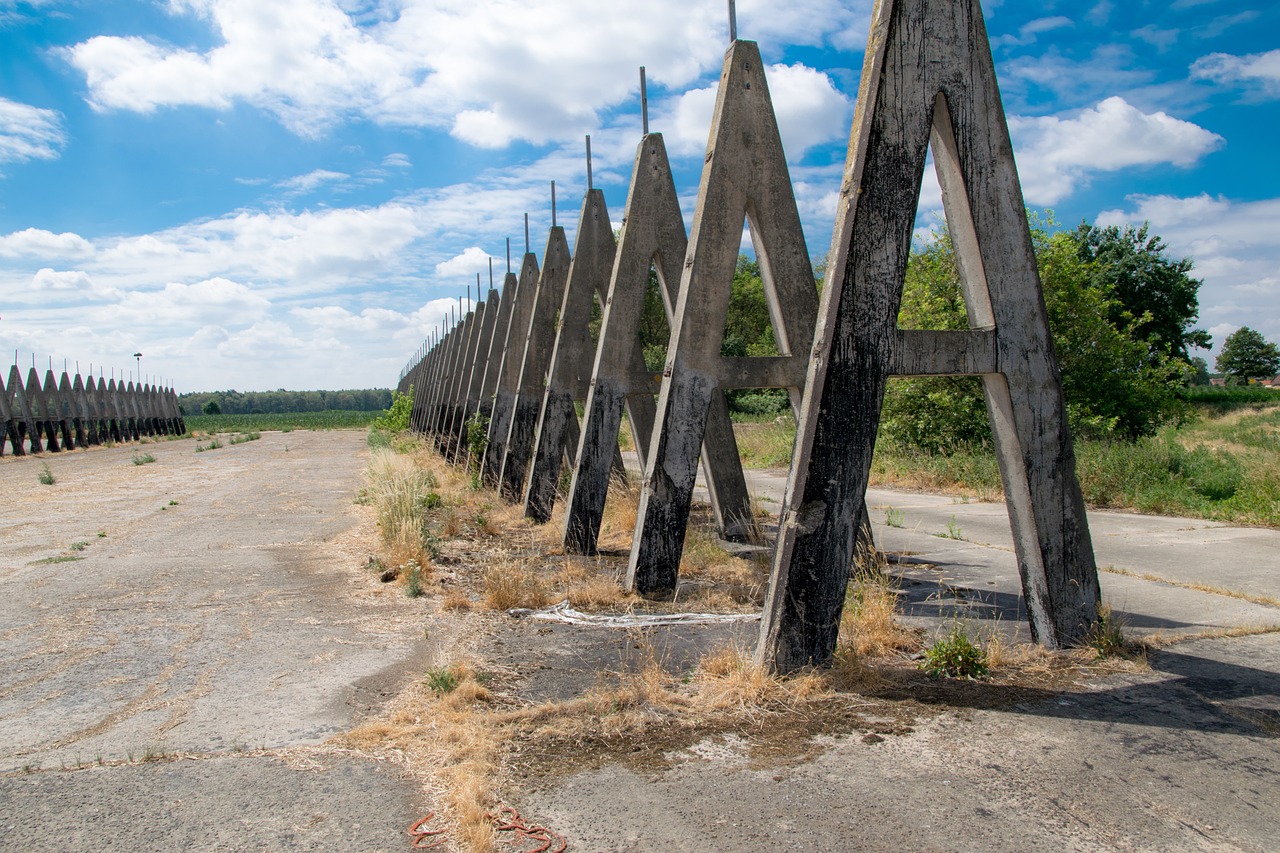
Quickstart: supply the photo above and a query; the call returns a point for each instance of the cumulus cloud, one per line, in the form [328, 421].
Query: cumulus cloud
[213, 301]
[29, 133]
[62, 280]
[38, 243]
[472, 261]
[1234, 249]
[1256, 72]
[1055, 155]
[809, 109]
[543, 74]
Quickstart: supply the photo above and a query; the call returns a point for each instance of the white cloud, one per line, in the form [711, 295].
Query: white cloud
[1028, 32]
[303, 184]
[490, 71]
[809, 109]
[38, 243]
[1055, 155]
[213, 301]
[64, 280]
[1257, 71]
[1234, 248]
[397, 161]
[29, 133]
[467, 265]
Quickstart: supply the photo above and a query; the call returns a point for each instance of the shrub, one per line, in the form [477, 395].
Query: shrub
[396, 418]
[955, 656]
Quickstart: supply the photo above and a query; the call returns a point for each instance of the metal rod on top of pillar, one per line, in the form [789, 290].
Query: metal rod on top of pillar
[589, 183]
[526, 241]
[553, 204]
[508, 256]
[733, 22]
[644, 104]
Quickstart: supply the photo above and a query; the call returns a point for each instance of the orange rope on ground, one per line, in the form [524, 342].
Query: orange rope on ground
[425, 839]
[506, 819]
[509, 820]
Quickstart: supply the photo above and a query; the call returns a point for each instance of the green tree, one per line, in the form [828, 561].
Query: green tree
[1114, 381]
[1155, 298]
[212, 408]
[1247, 355]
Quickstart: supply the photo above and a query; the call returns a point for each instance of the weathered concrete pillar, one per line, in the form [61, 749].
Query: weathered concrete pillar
[508, 385]
[424, 386]
[461, 378]
[83, 419]
[46, 417]
[745, 178]
[928, 73]
[652, 236]
[569, 370]
[539, 338]
[68, 421]
[21, 407]
[453, 343]
[8, 422]
[493, 363]
[480, 363]
[107, 394]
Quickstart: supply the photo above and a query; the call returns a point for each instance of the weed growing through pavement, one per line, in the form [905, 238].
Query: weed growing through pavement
[102, 534]
[955, 655]
[143, 459]
[46, 476]
[894, 517]
[79, 546]
[1106, 637]
[245, 436]
[953, 530]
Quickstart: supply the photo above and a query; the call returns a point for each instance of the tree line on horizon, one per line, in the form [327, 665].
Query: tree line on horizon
[234, 402]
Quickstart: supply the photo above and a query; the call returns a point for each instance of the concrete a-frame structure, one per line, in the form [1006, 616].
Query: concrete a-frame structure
[652, 236]
[531, 352]
[745, 178]
[928, 79]
[569, 362]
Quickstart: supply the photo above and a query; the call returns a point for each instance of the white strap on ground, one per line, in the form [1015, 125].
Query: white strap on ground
[562, 612]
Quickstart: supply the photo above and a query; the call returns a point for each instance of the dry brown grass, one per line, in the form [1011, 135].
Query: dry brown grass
[1255, 598]
[511, 582]
[451, 739]
[714, 579]
[589, 583]
[868, 626]
[618, 523]
[728, 678]
[455, 600]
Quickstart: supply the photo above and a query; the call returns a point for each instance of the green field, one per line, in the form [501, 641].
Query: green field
[281, 421]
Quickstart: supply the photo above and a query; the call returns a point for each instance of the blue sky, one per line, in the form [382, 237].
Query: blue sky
[287, 193]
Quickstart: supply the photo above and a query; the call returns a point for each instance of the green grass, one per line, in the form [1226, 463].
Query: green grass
[143, 459]
[244, 437]
[45, 476]
[284, 422]
[1224, 467]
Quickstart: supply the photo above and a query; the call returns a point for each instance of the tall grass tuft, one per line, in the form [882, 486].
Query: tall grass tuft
[404, 497]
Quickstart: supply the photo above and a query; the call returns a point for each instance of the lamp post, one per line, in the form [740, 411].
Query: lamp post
[138, 356]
